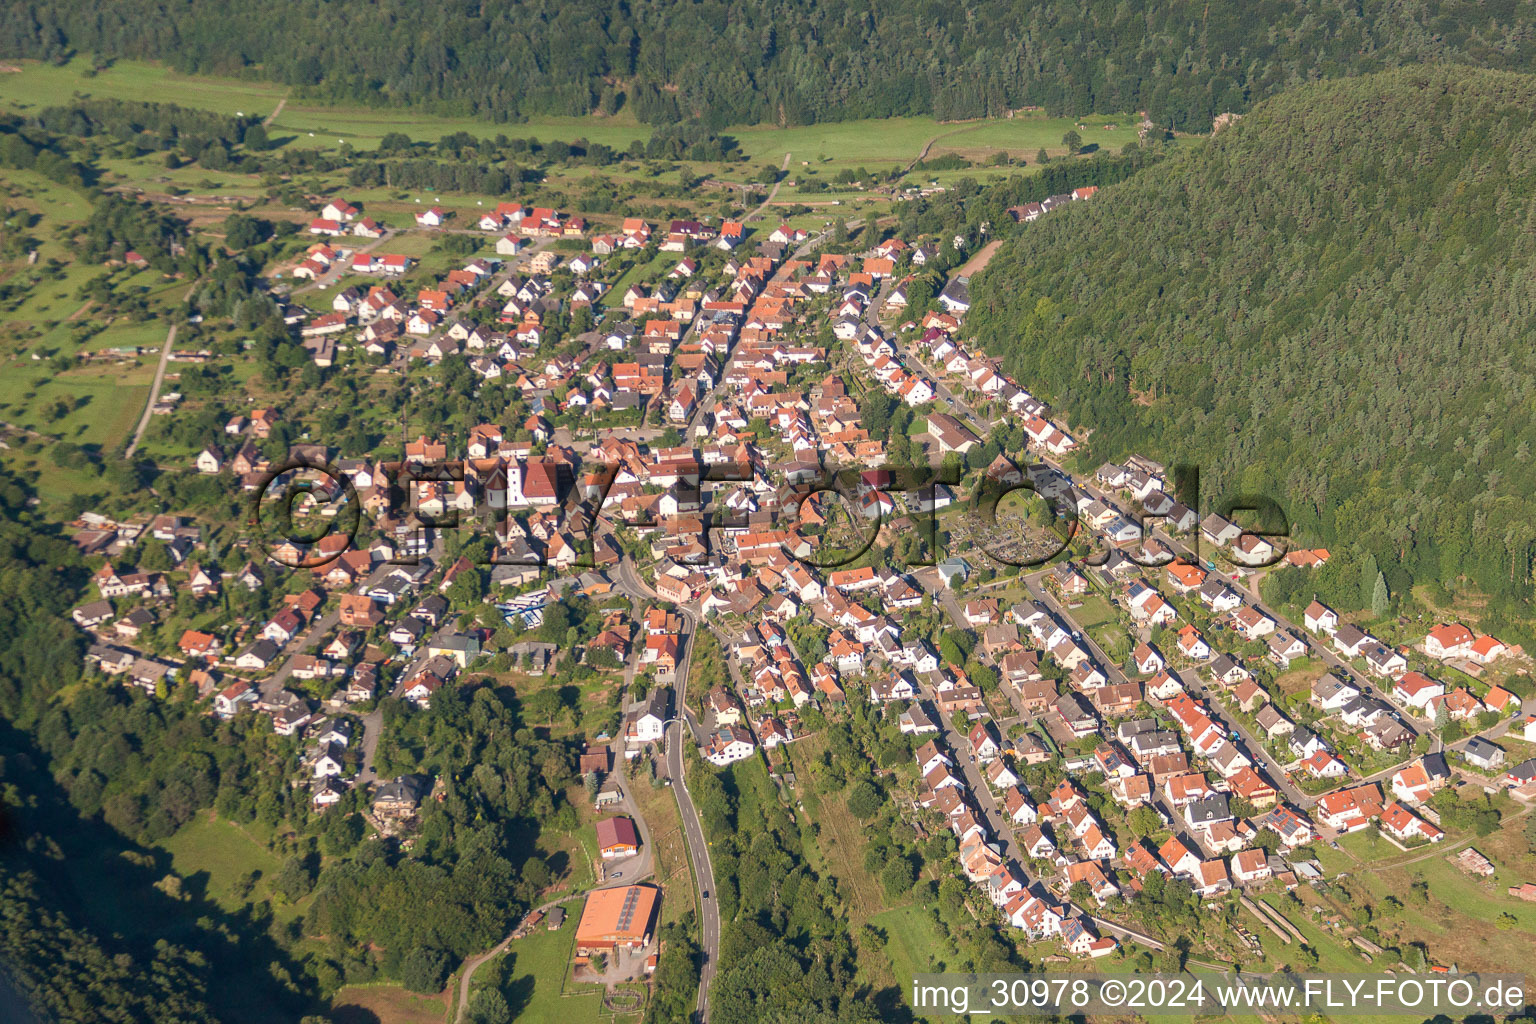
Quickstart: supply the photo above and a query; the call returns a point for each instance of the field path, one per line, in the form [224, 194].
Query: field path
[978, 262]
[154, 393]
[784, 167]
[923, 155]
[473, 963]
[277, 110]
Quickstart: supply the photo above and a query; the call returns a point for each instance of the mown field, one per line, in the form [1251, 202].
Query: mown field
[875, 142]
[43, 85]
[912, 945]
[532, 973]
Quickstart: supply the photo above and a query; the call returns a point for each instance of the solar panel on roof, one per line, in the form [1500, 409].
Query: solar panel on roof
[627, 911]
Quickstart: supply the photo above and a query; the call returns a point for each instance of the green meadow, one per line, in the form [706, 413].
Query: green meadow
[873, 142]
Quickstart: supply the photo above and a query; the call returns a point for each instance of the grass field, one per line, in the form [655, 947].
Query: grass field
[56, 204]
[912, 944]
[640, 272]
[215, 853]
[841, 840]
[51, 299]
[1300, 676]
[1460, 922]
[133, 893]
[532, 973]
[876, 143]
[100, 403]
[1332, 952]
[386, 1004]
[1094, 611]
[41, 85]
[572, 853]
[106, 402]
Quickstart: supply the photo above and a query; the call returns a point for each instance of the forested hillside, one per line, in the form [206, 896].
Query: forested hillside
[1331, 302]
[754, 61]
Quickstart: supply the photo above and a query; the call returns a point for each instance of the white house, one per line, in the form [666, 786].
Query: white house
[729, 745]
[1319, 618]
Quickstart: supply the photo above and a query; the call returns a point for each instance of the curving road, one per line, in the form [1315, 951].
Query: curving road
[628, 581]
[471, 965]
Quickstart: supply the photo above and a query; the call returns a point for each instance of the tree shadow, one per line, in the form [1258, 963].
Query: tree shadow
[107, 883]
[559, 863]
[194, 885]
[354, 1015]
[518, 993]
[892, 1007]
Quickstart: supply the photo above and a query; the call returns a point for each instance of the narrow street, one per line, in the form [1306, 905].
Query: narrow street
[306, 642]
[1251, 747]
[627, 581]
[1248, 589]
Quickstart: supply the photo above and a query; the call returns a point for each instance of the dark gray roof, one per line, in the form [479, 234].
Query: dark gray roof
[1479, 747]
[1212, 808]
[405, 789]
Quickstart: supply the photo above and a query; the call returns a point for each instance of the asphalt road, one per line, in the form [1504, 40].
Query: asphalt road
[628, 582]
[693, 831]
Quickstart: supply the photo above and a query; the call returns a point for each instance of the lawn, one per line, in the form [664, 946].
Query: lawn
[912, 944]
[214, 853]
[1300, 676]
[1112, 640]
[1094, 611]
[636, 274]
[416, 244]
[42, 85]
[532, 974]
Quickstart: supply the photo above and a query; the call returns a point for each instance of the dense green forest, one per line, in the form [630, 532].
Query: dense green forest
[51, 955]
[784, 954]
[1330, 303]
[1184, 61]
